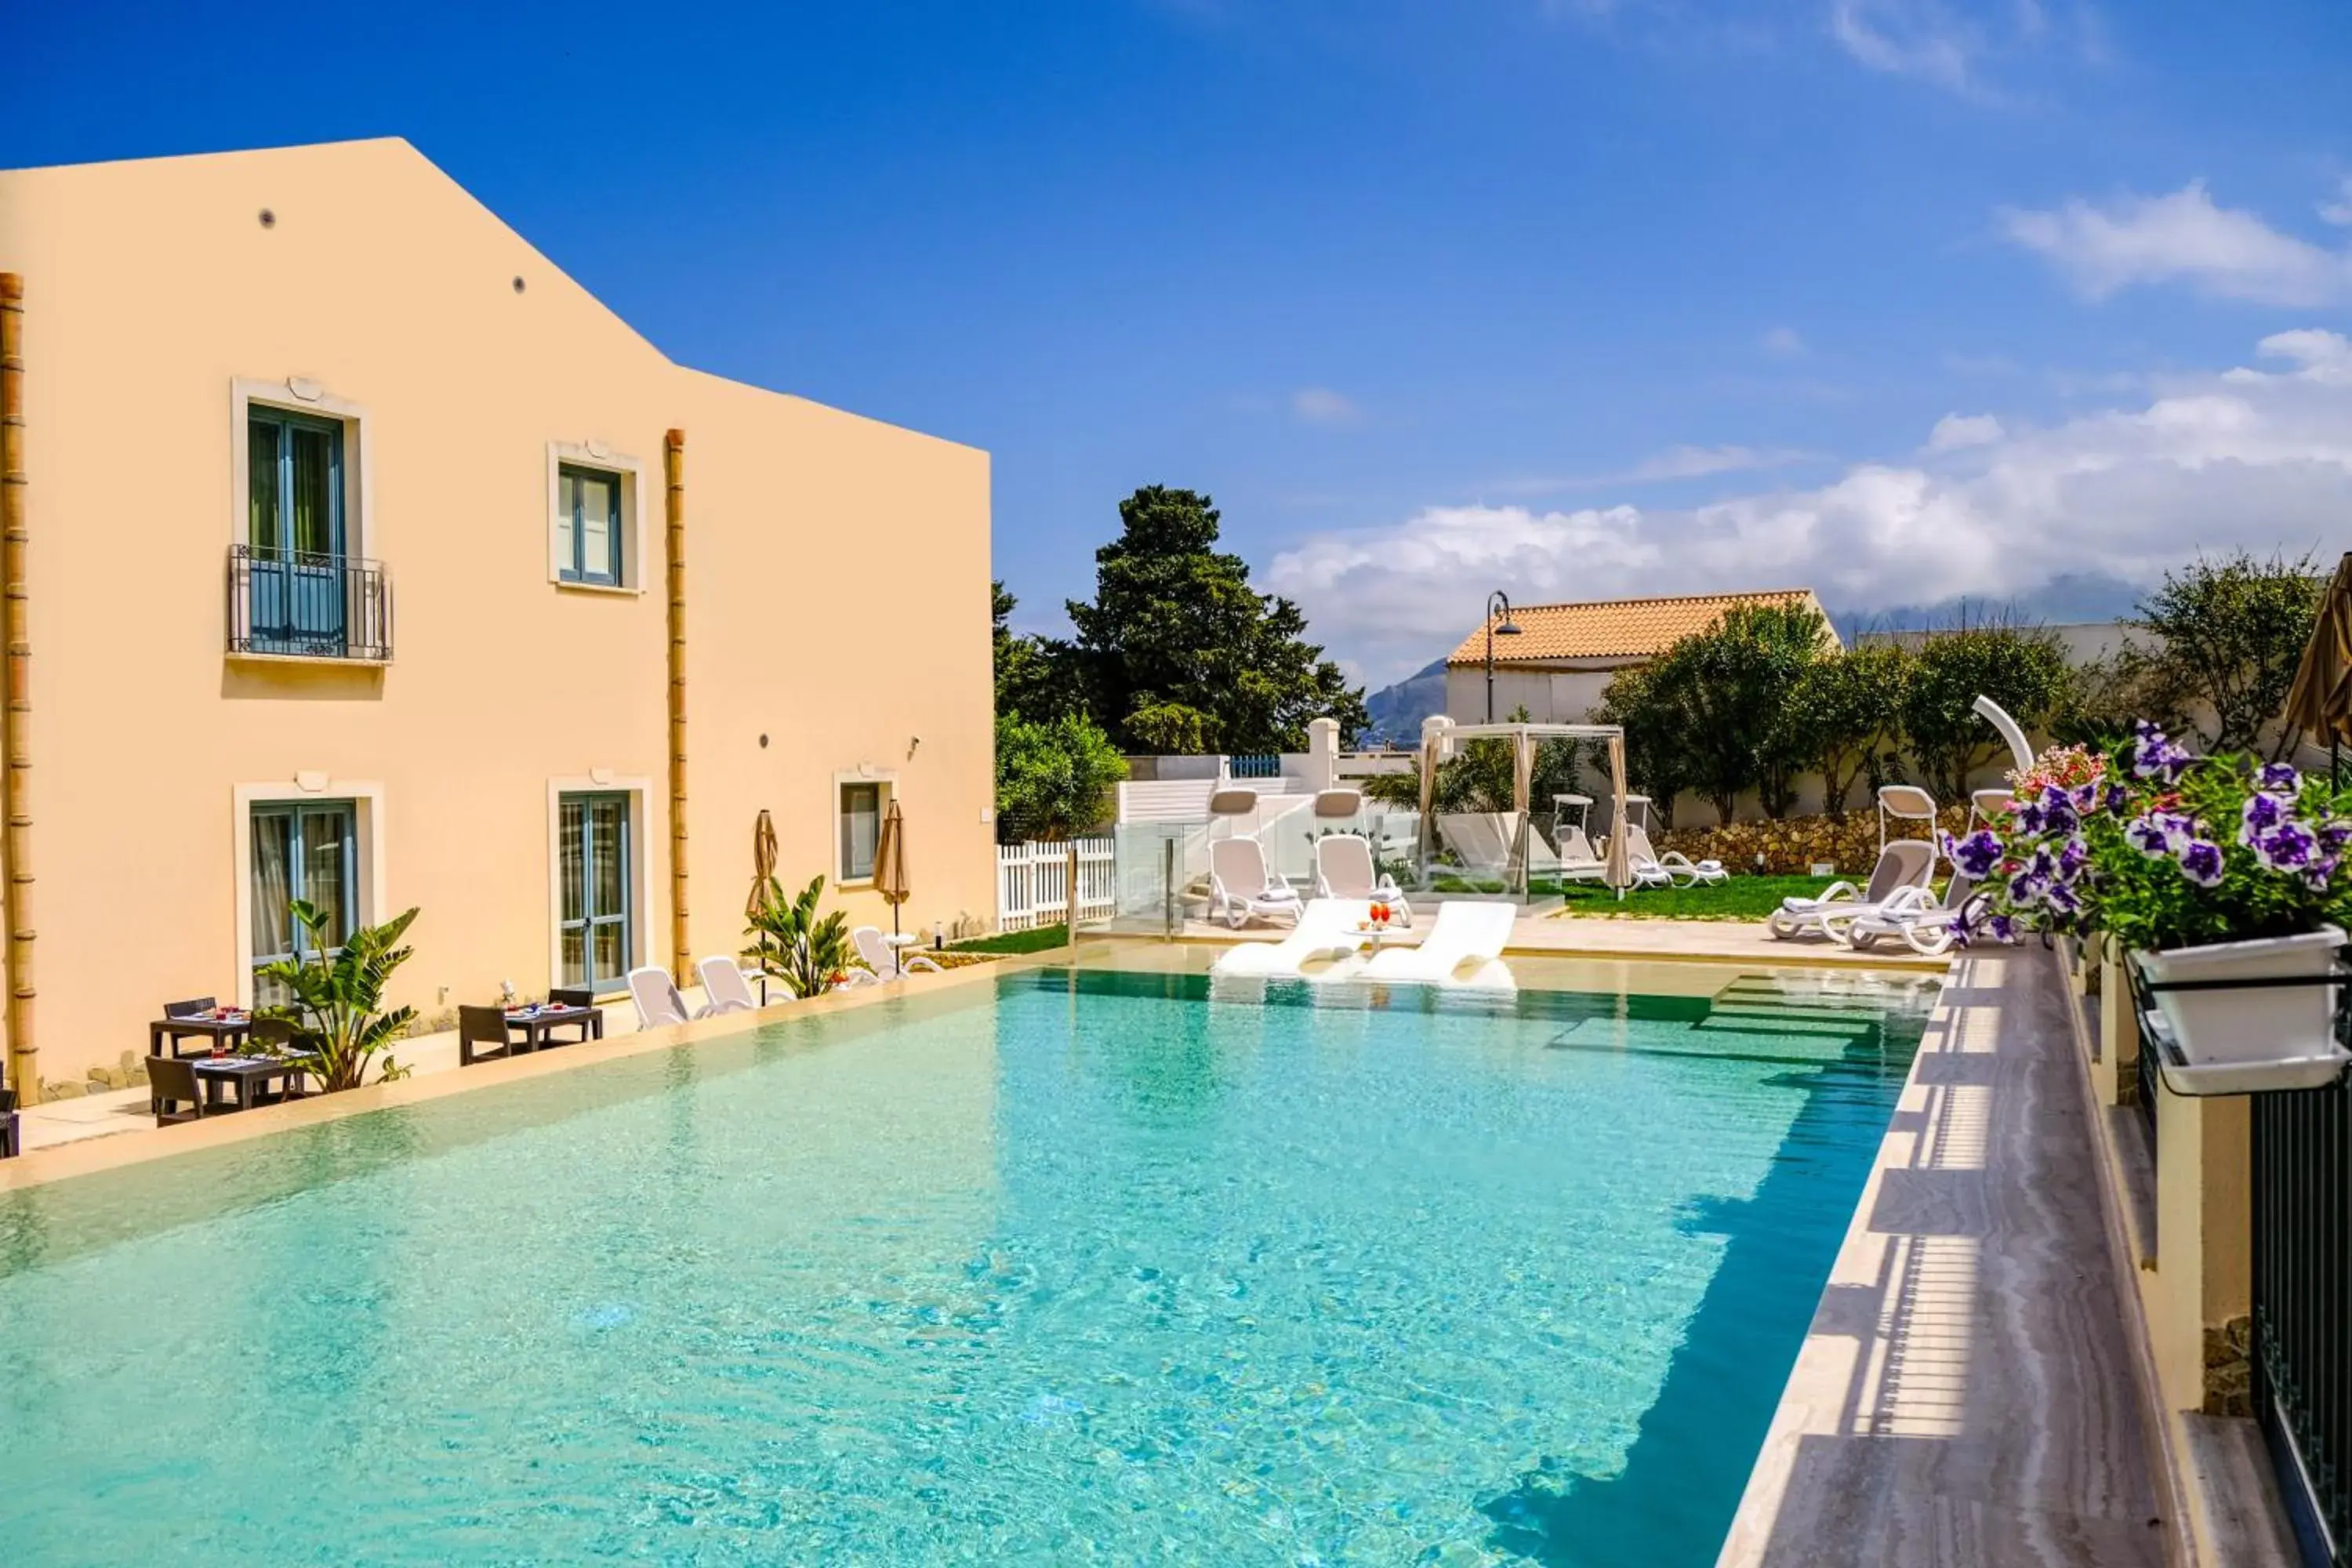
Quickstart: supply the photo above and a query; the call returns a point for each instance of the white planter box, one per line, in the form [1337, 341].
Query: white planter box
[2249, 1038]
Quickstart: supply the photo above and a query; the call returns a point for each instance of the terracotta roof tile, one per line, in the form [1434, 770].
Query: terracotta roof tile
[1613, 629]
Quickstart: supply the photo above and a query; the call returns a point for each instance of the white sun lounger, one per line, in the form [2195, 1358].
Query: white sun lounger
[1677, 865]
[1240, 888]
[656, 996]
[1927, 925]
[882, 961]
[1327, 928]
[1464, 951]
[1905, 863]
[723, 985]
[1577, 862]
[1344, 868]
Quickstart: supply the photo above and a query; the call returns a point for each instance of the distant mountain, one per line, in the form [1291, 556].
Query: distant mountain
[1397, 711]
[2069, 599]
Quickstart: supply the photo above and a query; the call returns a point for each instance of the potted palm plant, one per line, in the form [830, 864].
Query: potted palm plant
[2224, 880]
[335, 998]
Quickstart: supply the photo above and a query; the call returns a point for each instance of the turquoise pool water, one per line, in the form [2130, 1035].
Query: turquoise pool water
[1083, 1268]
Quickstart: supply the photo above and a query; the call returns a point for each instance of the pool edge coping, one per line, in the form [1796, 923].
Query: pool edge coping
[136, 1145]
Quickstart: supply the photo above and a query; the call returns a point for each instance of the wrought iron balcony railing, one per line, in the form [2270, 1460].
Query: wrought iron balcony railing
[292, 603]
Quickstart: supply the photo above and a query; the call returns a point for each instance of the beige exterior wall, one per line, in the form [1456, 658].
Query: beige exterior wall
[152, 293]
[1549, 695]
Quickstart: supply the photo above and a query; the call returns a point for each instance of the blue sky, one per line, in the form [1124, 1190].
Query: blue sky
[1901, 298]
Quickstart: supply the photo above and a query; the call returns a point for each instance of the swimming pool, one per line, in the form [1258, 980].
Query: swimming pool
[1070, 1266]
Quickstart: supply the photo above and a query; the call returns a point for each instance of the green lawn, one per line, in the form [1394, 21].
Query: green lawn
[1740, 899]
[1035, 941]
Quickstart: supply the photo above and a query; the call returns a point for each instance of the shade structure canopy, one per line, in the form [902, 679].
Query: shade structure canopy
[1440, 735]
[2320, 702]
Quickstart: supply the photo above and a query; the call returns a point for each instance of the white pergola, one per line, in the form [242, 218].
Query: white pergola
[1440, 735]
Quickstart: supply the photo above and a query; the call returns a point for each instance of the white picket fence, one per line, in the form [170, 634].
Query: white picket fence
[1032, 883]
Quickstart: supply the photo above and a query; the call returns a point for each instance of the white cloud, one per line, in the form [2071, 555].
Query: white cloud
[1321, 406]
[2260, 457]
[2339, 210]
[2184, 236]
[1908, 37]
[1785, 342]
[1954, 431]
[1674, 463]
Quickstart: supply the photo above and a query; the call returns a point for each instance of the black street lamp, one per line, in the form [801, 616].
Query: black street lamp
[1504, 626]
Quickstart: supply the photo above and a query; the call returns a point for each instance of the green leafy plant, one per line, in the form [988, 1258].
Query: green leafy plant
[1729, 687]
[2233, 631]
[809, 951]
[2022, 669]
[1176, 620]
[334, 1000]
[1850, 707]
[2159, 849]
[1054, 777]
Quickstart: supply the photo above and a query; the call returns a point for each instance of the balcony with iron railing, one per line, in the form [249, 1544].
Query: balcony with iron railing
[288, 604]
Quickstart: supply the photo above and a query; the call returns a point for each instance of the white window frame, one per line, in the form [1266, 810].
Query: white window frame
[369, 900]
[888, 784]
[599, 780]
[632, 472]
[297, 394]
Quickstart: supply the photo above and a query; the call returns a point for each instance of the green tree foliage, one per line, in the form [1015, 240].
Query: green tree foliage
[1168, 728]
[2106, 696]
[808, 951]
[1731, 685]
[2233, 629]
[335, 999]
[1477, 777]
[2023, 670]
[1054, 776]
[1849, 705]
[1657, 753]
[1034, 677]
[1175, 621]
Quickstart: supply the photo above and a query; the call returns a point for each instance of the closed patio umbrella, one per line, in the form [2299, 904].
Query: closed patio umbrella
[763, 871]
[2320, 702]
[890, 869]
[1617, 869]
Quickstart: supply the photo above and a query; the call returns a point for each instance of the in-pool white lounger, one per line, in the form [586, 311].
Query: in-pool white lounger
[1327, 929]
[1464, 951]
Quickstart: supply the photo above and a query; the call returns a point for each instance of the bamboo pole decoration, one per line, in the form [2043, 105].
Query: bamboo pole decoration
[674, 473]
[15, 778]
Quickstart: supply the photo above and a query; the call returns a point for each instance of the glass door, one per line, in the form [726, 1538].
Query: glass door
[310, 851]
[597, 879]
[294, 531]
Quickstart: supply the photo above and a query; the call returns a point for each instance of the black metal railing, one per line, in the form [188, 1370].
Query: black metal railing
[2301, 1340]
[303, 606]
[2148, 1069]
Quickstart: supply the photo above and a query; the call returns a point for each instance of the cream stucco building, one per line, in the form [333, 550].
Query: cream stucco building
[347, 574]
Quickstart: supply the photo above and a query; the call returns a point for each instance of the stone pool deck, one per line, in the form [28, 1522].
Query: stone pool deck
[1572, 936]
[1967, 1393]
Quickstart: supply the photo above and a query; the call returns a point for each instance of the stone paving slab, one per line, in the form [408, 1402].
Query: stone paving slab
[1966, 1395]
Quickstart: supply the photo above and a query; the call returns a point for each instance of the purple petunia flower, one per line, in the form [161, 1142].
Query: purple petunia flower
[2073, 856]
[2159, 834]
[2116, 799]
[2004, 928]
[2153, 755]
[2058, 813]
[2200, 862]
[2279, 778]
[2063, 899]
[2334, 835]
[2289, 847]
[1976, 855]
[2261, 814]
